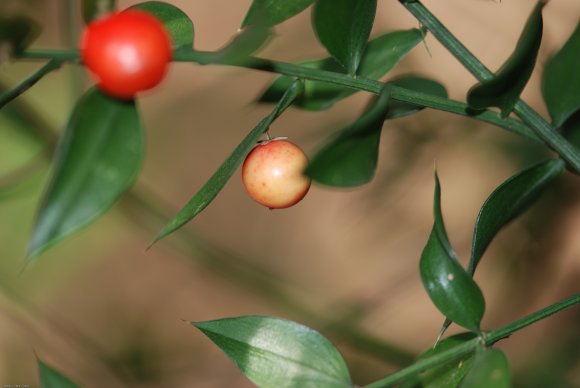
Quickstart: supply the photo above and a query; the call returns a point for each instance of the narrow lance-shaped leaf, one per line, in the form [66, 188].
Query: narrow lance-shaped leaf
[177, 23]
[490, 369]
[272, 12]
[278, 353]
[449, 286]
[218, 180]
[351, 158]
[508, 201]
[561, 80]
[51, 378]
[92, 9]
[504, 89]
[451, 373]
[381, 55]
[343, 27]
[97, 160]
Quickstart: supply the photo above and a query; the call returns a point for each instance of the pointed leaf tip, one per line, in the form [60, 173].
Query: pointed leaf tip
[98, 158]
[504, 88]
[343, 27]
[447, 283]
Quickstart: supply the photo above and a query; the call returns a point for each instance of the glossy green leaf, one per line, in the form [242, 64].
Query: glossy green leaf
[218, 180]
[97, 160]
[399, 109]
[350, 159]
[504, 89]
[448, 375]
[449, 286]
[343, 27]
[51, 378]
[93, 9]
[508, 201]
[490, 369]
[381, 55]
[278, 353]
[17, 33]
[177, 23]
[272, 12]
[561, 80]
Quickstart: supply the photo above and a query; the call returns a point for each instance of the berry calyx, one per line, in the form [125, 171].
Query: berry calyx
[127, 52]
[273, 173]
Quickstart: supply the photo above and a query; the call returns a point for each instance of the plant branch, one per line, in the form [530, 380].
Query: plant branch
[540, 127]
[487, 339]
[27, 83]
[359, 83]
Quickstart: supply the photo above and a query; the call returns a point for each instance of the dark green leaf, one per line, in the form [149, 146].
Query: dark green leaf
[381, 55]
[272, 12]
[447, 375]
[278, 353]
[351, 158]
[490, 369]
[97, 160]
[571, 129]
[218, 180]
[93, 9]
[508, 201]
[343, 27]
[419, 84]
[504, 89]
[177, 23]
[561, 80]
[17, 33]
[449, 286]
[51, 378]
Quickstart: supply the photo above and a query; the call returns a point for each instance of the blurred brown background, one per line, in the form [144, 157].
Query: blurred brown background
[345, 262]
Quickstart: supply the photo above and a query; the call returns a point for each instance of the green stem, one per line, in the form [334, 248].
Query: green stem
[23, 86]
[540, 127]
[465, 348]
[360, 83]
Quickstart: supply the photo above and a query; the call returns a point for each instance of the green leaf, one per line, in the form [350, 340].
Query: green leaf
[571, 129]
[381, 55]
[504, 89]
[399, 109]
[561, 80]
[351, 158]
[508, 201]
[272, 12]
[278, 353]
[17, 33]
[449, 286]
[490, 369]
[343, 27]
[97, 160]
[218, 180]
[51, 378]
[177, 23]
[93, 9]
[450, 374]
[245, 43]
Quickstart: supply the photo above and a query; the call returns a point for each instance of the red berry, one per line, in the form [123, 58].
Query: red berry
[273, 174]
[127, 52]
